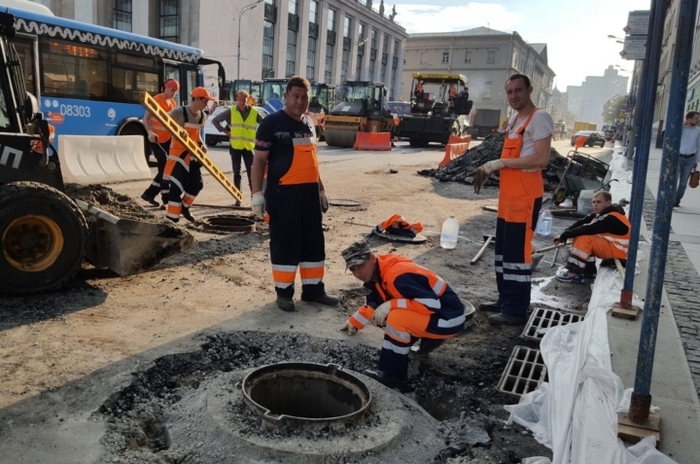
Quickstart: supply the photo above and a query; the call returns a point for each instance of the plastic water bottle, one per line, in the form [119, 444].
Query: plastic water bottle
[450, 231]
[544, 223]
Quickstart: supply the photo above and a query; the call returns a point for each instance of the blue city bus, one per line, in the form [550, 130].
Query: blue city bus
[88, 78]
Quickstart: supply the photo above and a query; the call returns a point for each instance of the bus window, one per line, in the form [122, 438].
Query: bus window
[127, 84]
[192, 82]
[72, 70]
[171, 72]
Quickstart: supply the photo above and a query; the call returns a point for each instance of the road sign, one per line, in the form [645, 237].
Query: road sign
[637, 23]
[635, 47]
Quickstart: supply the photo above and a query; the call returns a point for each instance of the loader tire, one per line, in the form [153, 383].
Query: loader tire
[43, 235]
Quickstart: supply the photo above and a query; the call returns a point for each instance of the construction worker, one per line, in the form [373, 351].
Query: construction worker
[294, 197]
[604, 234]
[159, 138]
[241, 122]
[526, 149]
[409, 301]
[182, 177]
[418, 92]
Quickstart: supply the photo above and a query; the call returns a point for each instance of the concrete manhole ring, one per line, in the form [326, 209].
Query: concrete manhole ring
[229, 223]
[344, 202]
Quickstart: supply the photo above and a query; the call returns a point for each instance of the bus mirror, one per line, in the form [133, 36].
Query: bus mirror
[7, 25]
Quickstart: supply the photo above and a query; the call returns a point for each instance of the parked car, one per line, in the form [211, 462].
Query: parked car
[593, 138]
[212, 137]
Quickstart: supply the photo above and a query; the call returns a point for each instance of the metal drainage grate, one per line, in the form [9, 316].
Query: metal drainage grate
[543, 318]
[524, 372]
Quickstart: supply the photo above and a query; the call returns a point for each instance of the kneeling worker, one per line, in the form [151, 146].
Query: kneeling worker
[604, 234]
[409, 301]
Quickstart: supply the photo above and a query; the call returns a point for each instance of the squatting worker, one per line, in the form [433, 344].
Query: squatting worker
[526, 148]
[294, 197]
[605, 234]
[241, 121]
[182, 177]
[159, 139]
[689, 149]
[411, 303]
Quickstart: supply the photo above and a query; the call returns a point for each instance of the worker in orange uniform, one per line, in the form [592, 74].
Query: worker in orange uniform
[159, 138]
[605, 234]
[526, 150]
[409, 301]
[182, 176]
[418, 92]
[294, 197]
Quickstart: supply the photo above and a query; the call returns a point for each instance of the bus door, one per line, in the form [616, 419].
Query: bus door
[188, 77]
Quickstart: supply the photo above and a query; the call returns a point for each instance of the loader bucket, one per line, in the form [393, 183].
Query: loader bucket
[128, 246]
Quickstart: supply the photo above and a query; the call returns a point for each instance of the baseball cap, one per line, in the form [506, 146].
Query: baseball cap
[201, 92]
[172, 83]
[356, 254]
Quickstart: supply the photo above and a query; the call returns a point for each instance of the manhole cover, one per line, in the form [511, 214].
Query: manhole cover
[229, 222]
[342, 202]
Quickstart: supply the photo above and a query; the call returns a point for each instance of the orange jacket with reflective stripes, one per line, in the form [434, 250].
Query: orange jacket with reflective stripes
[161, 132]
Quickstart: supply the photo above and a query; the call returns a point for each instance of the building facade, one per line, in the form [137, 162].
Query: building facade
[326, 41]
[486, 57]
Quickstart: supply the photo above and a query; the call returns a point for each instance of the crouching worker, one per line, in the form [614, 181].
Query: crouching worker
[409, 301]
[602, 234]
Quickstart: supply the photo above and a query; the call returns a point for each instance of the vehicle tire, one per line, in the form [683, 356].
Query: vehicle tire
[602, 144]
[134, 128]
[573, 143]
[43, 235]
[209, 142]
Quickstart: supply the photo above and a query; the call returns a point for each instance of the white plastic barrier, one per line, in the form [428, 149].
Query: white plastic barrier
[100, 159]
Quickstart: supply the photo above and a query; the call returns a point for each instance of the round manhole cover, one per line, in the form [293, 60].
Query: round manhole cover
[342, 202]
[229, 222]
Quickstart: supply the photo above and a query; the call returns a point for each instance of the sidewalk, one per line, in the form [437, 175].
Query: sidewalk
[673, 388]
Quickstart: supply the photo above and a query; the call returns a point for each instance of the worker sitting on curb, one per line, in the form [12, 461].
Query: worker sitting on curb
[604, 234]
[409, 301]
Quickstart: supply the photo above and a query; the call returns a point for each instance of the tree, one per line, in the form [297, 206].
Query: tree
[614, 109]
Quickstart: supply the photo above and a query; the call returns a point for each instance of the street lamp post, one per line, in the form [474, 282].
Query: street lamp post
[240, 15]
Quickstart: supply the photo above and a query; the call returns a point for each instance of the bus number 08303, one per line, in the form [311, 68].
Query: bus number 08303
[75, 110]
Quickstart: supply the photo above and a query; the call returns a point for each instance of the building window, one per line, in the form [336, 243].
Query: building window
[373, 54]
[313, 12]
[487, 89]
[268, 47]
[360, 51]
[122, 15]
[293, 9]
[467, 56]
[331, 19]
[491, 58]
[311, 59]
[347, 27]
[290, 70]
[328, 76]
[445, 57]
[169, 20]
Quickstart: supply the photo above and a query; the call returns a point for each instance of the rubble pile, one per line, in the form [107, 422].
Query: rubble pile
[459, 168]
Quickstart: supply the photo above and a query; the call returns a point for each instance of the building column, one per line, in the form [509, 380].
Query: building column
[365, 57]
[321, 43]
[352, 57]
[279, 61]
[378, 62]
[338, 57]
[303, 38]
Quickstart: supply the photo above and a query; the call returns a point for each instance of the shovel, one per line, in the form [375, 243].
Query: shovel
[537, 255]
[487, 240]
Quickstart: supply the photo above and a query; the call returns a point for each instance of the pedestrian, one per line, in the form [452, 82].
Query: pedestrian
[241, 121]
[159, 139]
[182, 176]
[688, 159]
[604, 234]
[409, 301]
[526, 148]
[294, 197]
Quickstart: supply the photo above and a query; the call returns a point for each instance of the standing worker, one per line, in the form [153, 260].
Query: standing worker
[241, 121]
[182, 176]
[159, 139]
[526, 150]
[689, 149]
[409, 301]
[294, 197]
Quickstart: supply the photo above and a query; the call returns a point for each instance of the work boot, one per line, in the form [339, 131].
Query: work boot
[150, 200]
[385, 379]
[187, 215]
[176, 220]
[494, 307]
[504, 319]
[426, 346]
[324, 299]
[285, 304]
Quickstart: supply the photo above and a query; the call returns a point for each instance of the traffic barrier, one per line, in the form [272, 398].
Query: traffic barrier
[455, 139]
[377, 141]
[98, 159]
[452, 151]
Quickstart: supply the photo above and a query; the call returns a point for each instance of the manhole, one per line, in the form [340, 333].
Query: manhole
[342, 202]
[524, 372]
[229, 222]
[305, 396]
[543, 318]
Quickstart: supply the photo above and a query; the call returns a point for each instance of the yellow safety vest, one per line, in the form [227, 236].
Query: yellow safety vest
[243, 132]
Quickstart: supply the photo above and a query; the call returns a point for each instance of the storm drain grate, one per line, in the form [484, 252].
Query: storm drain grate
[524, 372]
[543, 318]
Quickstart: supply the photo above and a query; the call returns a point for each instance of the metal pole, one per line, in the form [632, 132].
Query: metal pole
[641, 397]
[643, 121]
[240, 16]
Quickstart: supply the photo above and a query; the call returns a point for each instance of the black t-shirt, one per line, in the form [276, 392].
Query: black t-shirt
[275, 135]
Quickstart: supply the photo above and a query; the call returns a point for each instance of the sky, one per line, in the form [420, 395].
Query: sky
[576, 32]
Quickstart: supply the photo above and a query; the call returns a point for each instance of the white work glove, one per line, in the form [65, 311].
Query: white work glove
[483, 172]
[349, 328]
[324, 200]
[491, 166]
[258, 205]
[381, 313]
[152, 137]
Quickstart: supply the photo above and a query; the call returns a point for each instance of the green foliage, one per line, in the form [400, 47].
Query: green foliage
[614, 109]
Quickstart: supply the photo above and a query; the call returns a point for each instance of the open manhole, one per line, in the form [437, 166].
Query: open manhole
[229, 223]
[344, 202]
[305, 396]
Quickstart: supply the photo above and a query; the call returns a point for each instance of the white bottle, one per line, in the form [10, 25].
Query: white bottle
[544, 223]
[450, 231]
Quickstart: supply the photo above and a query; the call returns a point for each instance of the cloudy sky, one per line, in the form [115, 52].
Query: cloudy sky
[576, 32]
